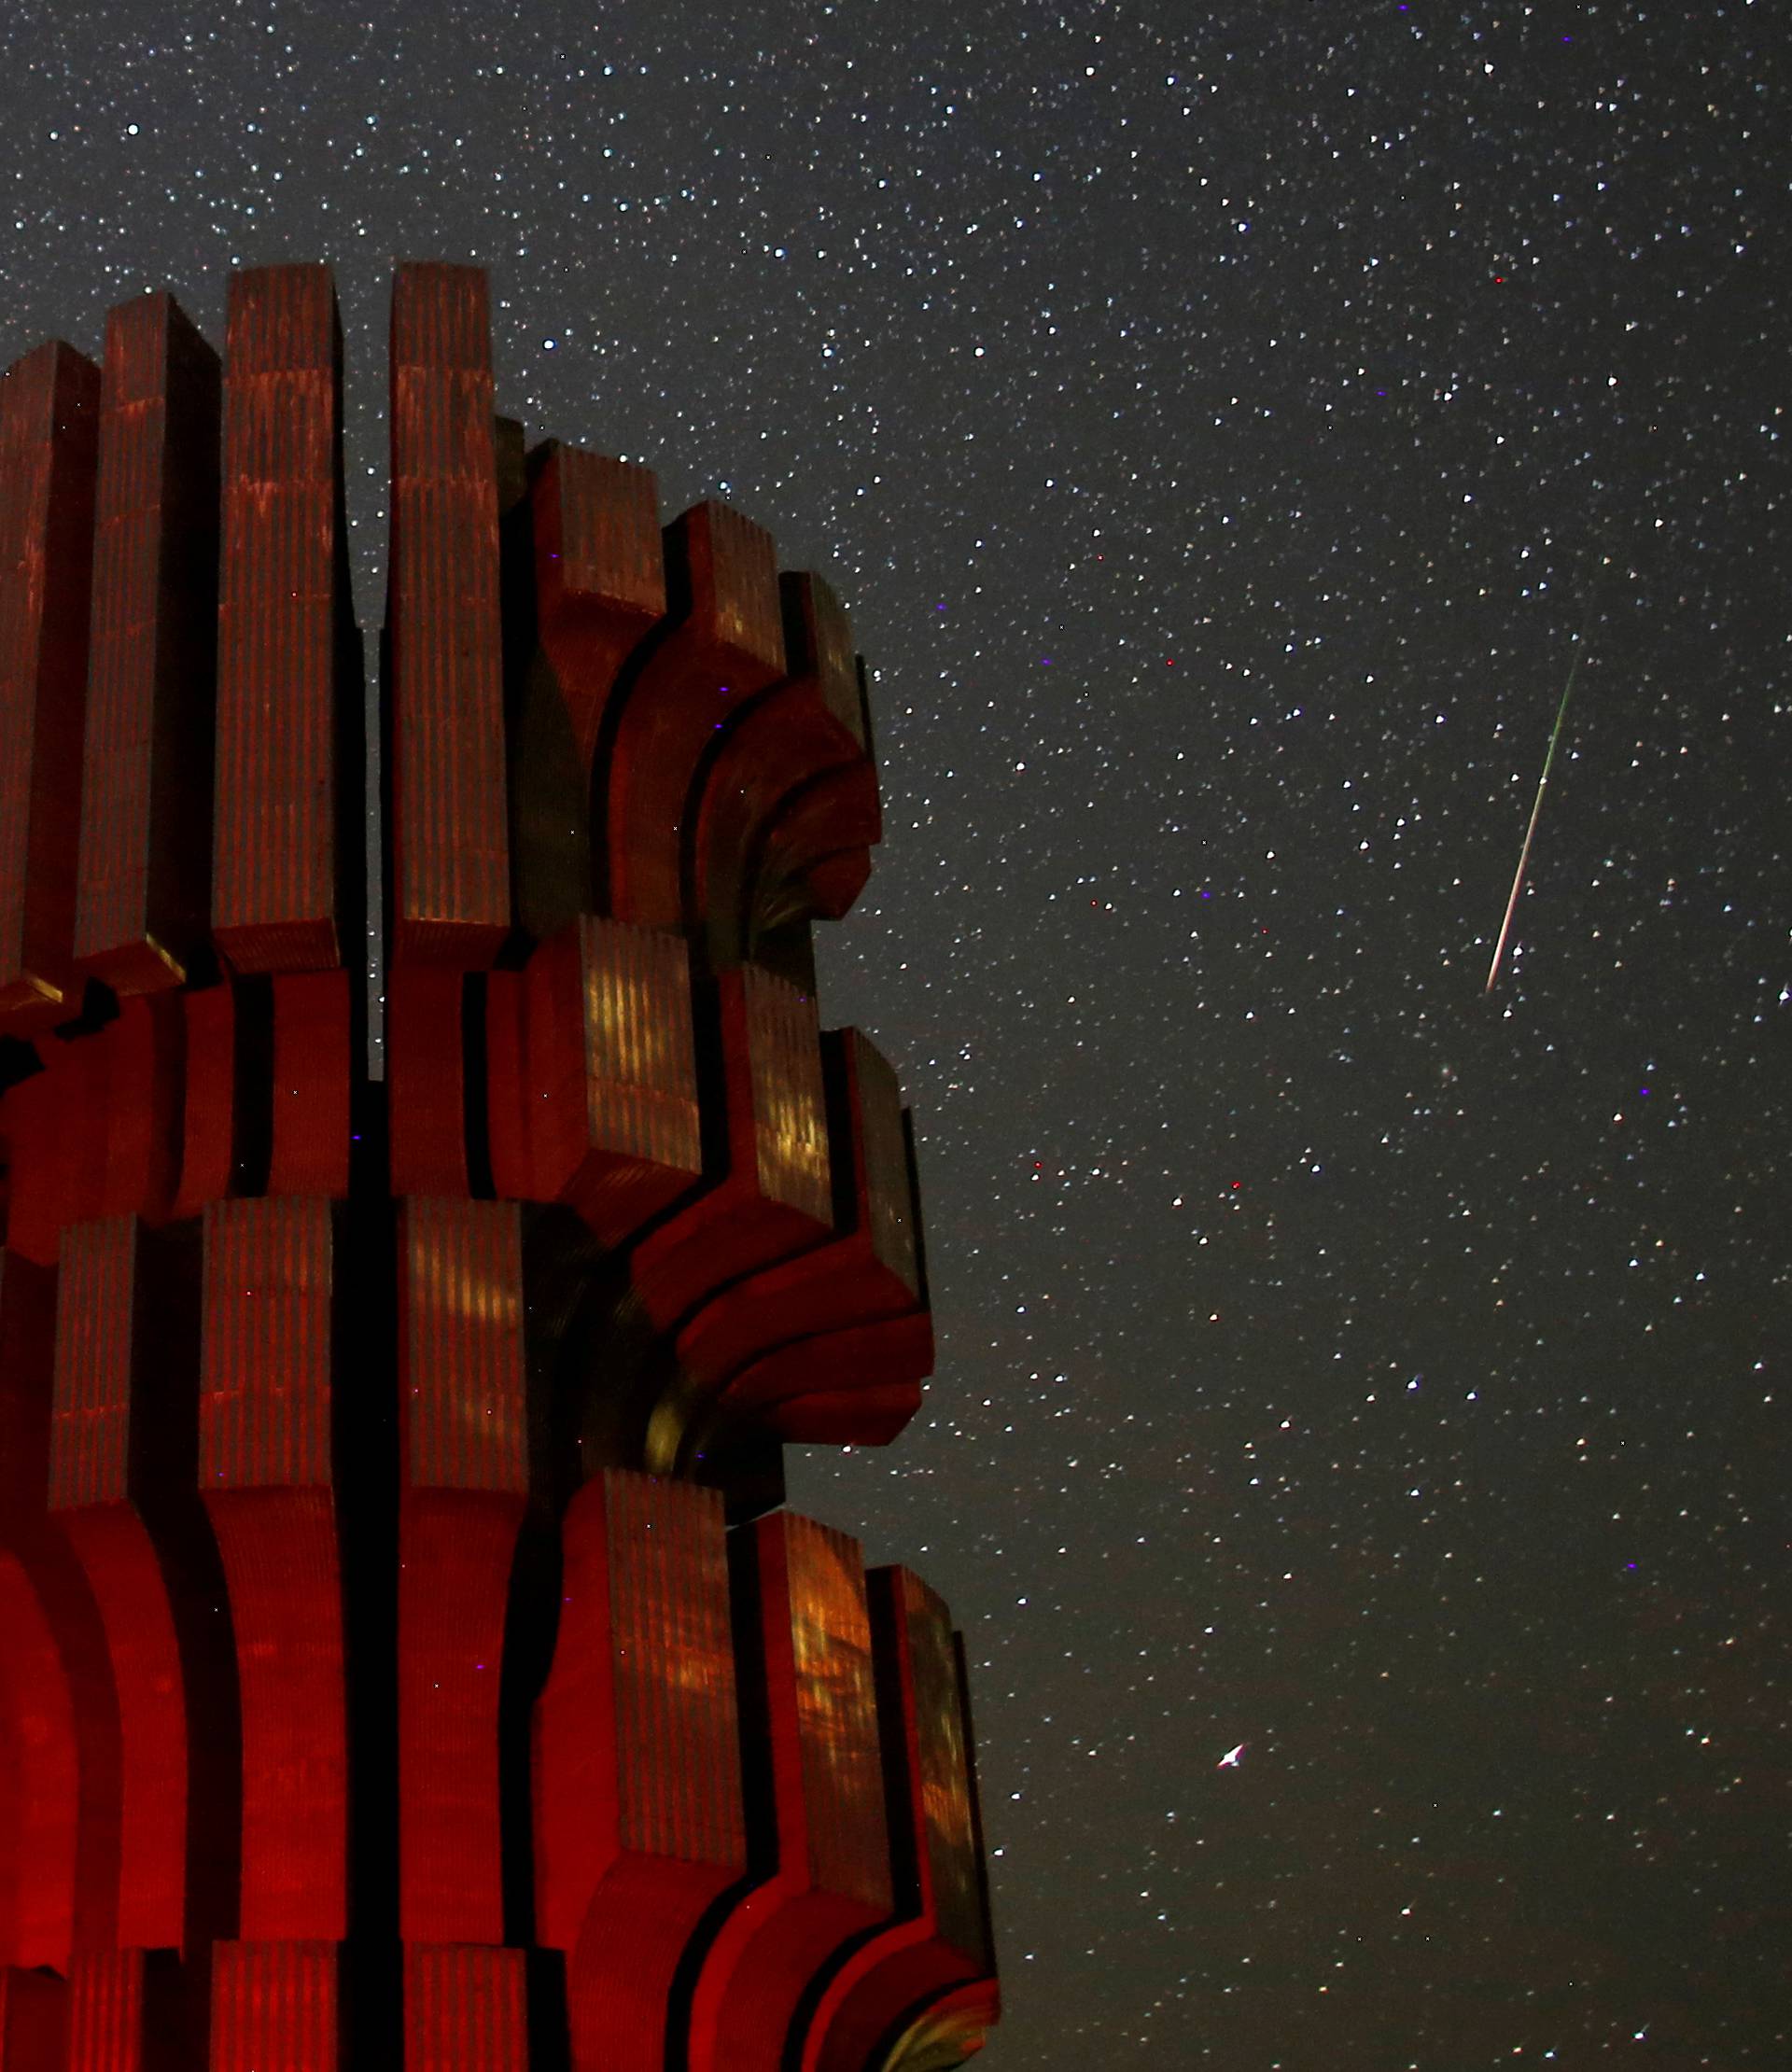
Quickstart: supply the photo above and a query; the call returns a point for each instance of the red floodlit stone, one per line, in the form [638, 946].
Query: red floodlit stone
[274, 2006]
[48, 408]
[282, 702]
[266, 1475]
[772, 1195]
[59, 1719]
[825, 1877]
[451, 893]
[725, 644]
[463, 1464]
[309, 1130]
[425, 1082]
[868, 1272]
[940, 1943]
[144, 891]
[639, 1823]
[600, 578]
[379, 1683]
[465, 2008]
[106, 1299]
[105, 2011]
[807, 736]
[206, 1146]
[594, 1077]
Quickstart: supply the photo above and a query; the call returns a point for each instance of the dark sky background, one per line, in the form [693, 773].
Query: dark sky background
[1214, 418]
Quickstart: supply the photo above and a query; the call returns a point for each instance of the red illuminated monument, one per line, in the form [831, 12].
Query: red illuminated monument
[404, 1658]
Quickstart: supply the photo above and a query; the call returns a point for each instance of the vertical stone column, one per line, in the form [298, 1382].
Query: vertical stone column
[280, 887]
[49, 412]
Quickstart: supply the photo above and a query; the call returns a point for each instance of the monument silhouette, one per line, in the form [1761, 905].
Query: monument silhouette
[405, 1657]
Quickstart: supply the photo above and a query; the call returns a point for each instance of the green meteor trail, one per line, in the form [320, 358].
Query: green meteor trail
[1543, 784]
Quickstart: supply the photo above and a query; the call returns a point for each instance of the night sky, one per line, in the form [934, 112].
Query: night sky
[1222, 423]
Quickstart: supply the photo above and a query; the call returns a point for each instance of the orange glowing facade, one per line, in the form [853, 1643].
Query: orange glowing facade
[405, 1659]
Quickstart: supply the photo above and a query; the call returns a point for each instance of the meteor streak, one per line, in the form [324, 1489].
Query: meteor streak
[1543, 784]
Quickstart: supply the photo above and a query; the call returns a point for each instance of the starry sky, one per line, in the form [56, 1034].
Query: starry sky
[1227, 425]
